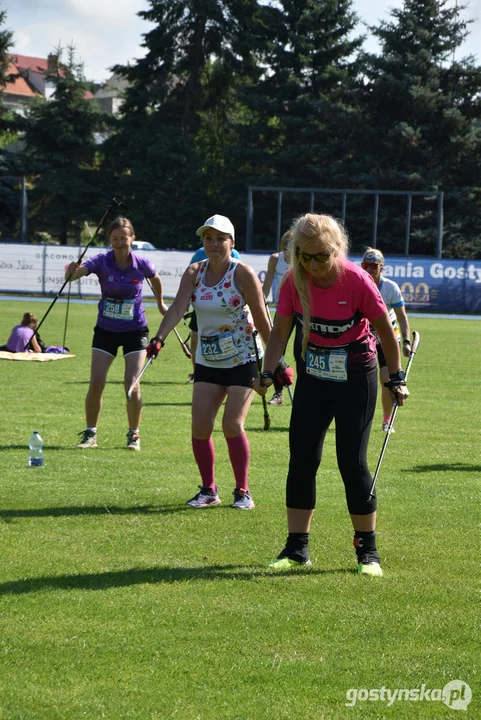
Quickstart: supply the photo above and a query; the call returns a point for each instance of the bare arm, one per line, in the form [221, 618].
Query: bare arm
[271, 269]
[249, 285]
[34, 342]
[277, 341]
[390, 347]
[403, 321]
[156, 285]
[176, 311]
[75, 271]
[275, 347]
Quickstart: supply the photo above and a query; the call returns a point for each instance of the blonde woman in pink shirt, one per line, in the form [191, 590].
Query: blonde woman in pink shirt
[336, 301]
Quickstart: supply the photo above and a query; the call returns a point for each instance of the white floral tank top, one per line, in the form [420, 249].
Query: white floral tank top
[225, 322]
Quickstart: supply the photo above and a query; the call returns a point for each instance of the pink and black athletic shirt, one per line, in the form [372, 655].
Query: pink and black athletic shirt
[339, 323]
[120, 309]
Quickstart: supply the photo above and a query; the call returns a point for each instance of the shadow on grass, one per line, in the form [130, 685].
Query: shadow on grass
[135, 576]
[73, 447]
[260, 429]
[166, 404]
[152, 383]
[445, 467]
[7, 515]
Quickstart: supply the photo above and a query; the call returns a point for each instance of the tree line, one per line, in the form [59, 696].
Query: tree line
[238, 93]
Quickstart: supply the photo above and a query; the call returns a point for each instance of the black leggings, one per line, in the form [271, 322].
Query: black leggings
[316, 404]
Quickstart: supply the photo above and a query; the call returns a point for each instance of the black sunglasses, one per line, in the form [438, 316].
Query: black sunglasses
[306, 258]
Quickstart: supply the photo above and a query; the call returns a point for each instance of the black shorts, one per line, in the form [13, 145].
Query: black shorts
[242, 375]
[193, 323]
[109, 342]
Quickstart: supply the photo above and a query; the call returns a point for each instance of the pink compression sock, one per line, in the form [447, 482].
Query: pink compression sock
[239, 453]
[204, 456]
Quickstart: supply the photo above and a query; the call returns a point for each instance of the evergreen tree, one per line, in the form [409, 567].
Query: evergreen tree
[422, 114]
[299, 108]
[61, 137]
[168, 145]
[11, 166]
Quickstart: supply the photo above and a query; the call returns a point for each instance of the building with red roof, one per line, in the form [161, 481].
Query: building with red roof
[30, 80]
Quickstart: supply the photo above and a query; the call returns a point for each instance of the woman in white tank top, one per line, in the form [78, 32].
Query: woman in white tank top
[228, 300]
[277, 267]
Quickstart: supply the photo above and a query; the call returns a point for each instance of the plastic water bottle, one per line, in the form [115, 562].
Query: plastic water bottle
[35, 456]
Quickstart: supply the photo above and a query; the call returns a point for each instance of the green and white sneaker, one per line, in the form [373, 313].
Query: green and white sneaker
[289, 559]
[369, 564]
[286, 563]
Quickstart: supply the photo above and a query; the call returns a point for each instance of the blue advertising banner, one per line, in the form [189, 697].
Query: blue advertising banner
[427, 284]
[452, 286]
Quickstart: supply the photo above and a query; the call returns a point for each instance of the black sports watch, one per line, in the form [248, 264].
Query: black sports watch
[399, 376]
[266, 376]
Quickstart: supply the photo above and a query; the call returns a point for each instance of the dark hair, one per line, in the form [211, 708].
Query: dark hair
[120, 222]
[28, 319]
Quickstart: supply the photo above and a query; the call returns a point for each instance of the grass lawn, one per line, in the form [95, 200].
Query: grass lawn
[117, 601]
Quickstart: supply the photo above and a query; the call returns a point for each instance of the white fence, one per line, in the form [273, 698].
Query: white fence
[426, 283]
[40, 269]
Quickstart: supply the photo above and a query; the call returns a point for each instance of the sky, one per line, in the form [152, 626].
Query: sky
[106, 32]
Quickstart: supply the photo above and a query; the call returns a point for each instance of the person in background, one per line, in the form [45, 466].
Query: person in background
[121, 321]
[199, 255]
[336, 301]
[373, 263]
[23, 336]
[227, 297]
[277, 267]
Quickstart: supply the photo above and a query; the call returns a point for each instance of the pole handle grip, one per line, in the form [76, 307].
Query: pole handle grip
[415, 342]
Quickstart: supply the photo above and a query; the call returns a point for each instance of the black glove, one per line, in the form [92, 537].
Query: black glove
[266, 376]
[154, 347]
[284, 374]
[396, 380]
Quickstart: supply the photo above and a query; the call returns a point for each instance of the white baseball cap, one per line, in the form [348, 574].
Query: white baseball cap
[218, 222]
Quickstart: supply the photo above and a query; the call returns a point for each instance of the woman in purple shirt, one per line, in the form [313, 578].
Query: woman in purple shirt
[23, 336]
[121, 321]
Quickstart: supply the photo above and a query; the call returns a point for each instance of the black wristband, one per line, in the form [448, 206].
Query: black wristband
[399, 376]
[267, 375]
[406, 341]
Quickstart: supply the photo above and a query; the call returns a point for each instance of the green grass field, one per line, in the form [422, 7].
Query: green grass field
[117, 601]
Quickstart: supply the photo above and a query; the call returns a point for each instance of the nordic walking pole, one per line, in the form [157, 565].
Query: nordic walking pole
[66, 317]
[183, 345]
[414, 348]
[282, 360]
[267, 420]
[115, 204]
[153, 349]
[138, 378]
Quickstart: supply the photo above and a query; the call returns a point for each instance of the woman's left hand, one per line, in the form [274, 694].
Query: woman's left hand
[406, 349]
[400, 394]
[260, 386]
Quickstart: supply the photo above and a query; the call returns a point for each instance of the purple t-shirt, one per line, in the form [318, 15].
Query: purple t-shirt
[120, 308]
[19, 339]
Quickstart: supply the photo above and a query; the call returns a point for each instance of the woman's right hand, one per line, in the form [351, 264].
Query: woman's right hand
[261, 385]
[71, 270]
